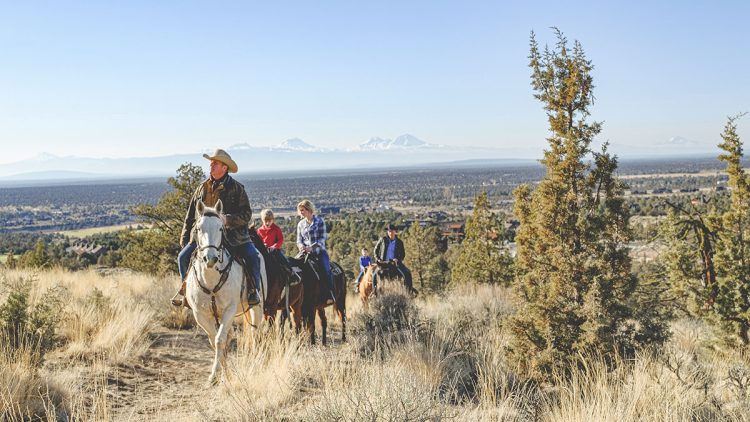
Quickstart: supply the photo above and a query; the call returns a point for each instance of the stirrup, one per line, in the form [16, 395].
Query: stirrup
[177, 299]
[253, 298]
[296, 276]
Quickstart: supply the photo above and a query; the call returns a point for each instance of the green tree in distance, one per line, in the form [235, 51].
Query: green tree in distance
[424, 250]
[155, 250]
[482, 257]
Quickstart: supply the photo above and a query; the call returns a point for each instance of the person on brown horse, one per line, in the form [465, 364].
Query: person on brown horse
[273, 238]
[364, 262]
[237, 212]
[311, 238]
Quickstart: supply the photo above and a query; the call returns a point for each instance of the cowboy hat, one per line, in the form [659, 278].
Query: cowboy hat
[222, 156]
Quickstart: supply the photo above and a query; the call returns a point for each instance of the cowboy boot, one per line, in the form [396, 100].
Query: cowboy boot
[179, 298]
[253, 298]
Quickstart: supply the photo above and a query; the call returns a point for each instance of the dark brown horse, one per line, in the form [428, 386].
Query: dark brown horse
[313, 278]
[275, 299]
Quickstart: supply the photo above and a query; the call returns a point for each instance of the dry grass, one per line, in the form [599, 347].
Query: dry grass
[433, 358]
[24, 393]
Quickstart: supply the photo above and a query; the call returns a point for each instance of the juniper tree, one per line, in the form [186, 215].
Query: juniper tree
[424, 251]
[732, 303]
[155, 250]
[708, 246]
[482, 257]
[574, 272]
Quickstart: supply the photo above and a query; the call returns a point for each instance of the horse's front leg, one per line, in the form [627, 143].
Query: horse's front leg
[220, 344]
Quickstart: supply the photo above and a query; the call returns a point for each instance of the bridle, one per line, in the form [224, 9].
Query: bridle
[221, 250]
[224, 272]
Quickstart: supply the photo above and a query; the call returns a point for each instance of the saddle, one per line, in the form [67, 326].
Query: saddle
[388, 270]
[309, 261]
[276, 266]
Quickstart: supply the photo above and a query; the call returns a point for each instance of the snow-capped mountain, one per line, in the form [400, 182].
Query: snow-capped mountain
[403, 141]
[408, 141]
[296, 144]
[376, 143]
[294, 153]
[679, 140]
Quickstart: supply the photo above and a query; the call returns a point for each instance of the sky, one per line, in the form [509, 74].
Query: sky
[132, 79]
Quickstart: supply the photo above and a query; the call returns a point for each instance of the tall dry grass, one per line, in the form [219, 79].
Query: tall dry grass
[431, 358]
[24, 392]
[105, 316]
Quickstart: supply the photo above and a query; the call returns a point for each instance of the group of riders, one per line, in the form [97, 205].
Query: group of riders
[311, 233]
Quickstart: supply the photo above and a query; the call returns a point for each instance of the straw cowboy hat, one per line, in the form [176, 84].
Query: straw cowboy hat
[222, 156]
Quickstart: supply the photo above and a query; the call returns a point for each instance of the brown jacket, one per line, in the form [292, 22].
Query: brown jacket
[236, 210]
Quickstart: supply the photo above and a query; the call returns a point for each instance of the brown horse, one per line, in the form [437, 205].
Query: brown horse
[366, 286]
[279, 277]
[313, 302]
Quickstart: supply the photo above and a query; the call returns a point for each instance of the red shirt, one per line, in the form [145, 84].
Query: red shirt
[272, 236]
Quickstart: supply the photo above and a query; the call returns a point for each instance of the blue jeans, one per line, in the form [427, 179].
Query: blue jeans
[250, 255]
[183, 259]
[359, 277]
[406, 273]
[325, 261]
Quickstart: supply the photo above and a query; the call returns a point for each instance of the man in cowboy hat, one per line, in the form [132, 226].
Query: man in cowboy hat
[391, 248]
[237, 213]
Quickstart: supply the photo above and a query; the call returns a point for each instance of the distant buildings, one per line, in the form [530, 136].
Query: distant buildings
[81, 249]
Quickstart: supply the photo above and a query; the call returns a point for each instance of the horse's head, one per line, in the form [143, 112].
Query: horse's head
[210, 233]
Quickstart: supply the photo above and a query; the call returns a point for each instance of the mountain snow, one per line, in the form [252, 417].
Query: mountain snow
[297, 144]
[403, 141]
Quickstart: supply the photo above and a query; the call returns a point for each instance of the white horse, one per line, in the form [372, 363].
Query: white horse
[215, 285]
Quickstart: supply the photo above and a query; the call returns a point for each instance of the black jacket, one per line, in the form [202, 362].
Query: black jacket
[236, 209]
[382, 246]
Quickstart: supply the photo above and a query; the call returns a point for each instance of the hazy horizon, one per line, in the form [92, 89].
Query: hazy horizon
[149, 79]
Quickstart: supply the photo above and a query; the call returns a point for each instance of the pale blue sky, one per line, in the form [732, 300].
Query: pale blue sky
[156, 77]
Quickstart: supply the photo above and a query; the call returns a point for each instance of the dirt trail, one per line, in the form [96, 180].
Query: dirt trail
[169, 380]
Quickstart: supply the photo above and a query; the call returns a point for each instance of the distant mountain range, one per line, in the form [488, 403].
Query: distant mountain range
[297, 155]
[291, 155]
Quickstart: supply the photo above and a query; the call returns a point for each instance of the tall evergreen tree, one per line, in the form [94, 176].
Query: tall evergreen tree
[574, 272]
[482, 257]
[708, 247]
[733, 244]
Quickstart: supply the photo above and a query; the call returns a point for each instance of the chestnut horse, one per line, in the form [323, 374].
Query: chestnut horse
[278, 282]
[366, 287]
[313, 302]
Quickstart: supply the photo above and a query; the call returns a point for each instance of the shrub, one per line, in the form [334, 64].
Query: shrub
[24, 324]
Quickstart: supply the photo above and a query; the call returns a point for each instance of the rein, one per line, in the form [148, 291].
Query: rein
[212, 292]
[224, 273]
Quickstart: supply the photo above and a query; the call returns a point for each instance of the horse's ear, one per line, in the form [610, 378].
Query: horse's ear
[219, 207]
[199, 209]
